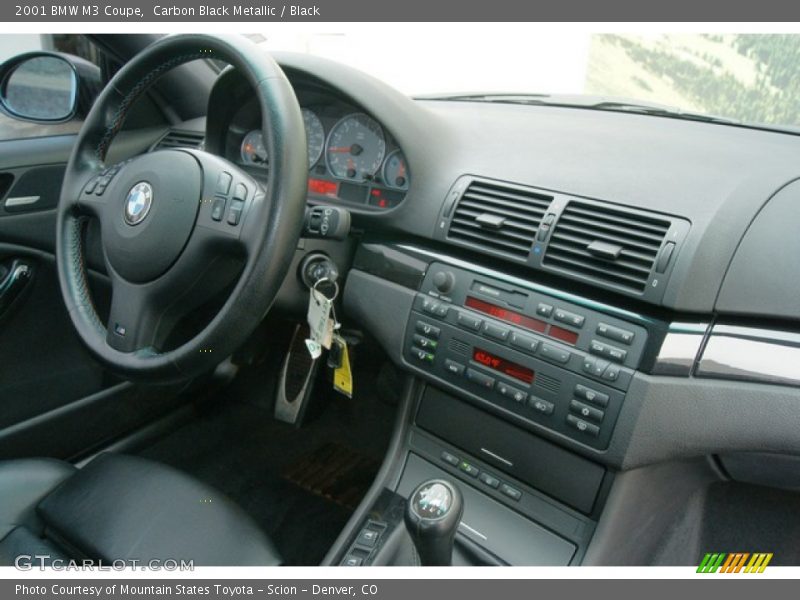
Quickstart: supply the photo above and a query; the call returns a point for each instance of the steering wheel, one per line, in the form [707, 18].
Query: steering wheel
[179, 225]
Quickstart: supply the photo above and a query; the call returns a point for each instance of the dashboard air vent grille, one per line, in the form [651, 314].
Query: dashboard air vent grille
[180, 139]
[607, 245]
[498, 217]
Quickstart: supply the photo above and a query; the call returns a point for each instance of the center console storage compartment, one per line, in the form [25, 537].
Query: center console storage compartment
[551, 469]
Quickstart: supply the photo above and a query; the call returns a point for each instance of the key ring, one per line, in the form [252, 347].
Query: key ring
[330, 281]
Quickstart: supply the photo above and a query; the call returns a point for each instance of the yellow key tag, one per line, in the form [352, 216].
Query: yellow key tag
[342, 376]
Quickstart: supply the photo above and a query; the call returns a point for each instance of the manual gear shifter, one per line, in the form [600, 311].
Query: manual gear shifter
[432, 516]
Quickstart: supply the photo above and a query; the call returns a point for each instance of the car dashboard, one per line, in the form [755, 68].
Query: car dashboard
[573, 293]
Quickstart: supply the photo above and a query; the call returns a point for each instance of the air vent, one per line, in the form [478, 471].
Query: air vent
[498, 217]
[180, 139]
[606, 245]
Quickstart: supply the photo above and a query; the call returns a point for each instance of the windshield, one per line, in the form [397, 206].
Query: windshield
[751, 78]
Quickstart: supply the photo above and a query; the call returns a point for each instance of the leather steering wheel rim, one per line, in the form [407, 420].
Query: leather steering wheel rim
[263, 240]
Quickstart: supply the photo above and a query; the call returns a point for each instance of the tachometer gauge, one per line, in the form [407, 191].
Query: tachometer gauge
[315, 136]
[395, 171]
[254, 152]
[356, 148]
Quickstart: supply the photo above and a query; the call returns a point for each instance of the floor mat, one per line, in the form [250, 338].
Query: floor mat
[749, 518]
[299, 485]
[334, 472]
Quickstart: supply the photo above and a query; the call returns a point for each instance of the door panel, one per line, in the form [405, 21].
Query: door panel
[47, 377]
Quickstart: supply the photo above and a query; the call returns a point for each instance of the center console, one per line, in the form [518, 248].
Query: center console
[517, 391]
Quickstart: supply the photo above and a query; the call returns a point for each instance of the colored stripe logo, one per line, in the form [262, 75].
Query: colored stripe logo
[736, 562]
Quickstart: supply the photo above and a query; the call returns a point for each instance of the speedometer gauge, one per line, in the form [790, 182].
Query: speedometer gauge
[356, 148]
[315, 136]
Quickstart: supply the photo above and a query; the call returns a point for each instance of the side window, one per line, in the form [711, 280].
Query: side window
[12, 45]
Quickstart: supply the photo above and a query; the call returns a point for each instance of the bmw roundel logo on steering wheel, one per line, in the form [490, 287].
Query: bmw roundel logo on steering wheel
[138, 202]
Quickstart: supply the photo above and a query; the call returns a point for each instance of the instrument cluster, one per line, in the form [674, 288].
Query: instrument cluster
[351, 158]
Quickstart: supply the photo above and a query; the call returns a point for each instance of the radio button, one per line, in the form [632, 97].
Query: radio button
[524, 342]
[496, 332]
[481, 379]
[590, 395]
[428, 305]
[422, 355]
[469, 321]
[453, 367]
[583, 426]
[511, 392]
[544, 310]
[433, 307]
[554, 354]
[586, 411]
[615, 333]
[594, 366]
[611, 373]
[425, 343]
[569, 318]
[428, 331]
[441, 310]
[542, 406]
[606, 351]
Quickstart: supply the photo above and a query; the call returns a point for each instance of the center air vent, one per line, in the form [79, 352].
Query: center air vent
[180, 139]
[609, 246]
[498, 217]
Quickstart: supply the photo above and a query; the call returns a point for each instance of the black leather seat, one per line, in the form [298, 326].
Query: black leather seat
[122, 507]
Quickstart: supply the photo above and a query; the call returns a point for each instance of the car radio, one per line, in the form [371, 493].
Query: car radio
[543, 360]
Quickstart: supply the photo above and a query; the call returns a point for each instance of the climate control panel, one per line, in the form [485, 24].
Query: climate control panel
[535, 357]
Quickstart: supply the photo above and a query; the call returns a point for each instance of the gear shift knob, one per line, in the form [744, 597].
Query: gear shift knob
[432, 516]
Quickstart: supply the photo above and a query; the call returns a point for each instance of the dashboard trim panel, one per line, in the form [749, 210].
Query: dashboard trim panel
[751, 354]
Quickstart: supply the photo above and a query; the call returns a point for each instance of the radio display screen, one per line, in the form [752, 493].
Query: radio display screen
[504, 314]
[501, 365]
[524, 321]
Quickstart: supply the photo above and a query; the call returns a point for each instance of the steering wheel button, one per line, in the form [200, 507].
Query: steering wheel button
[240, 193]
[235, 213]
[224, 183]
[218, 209]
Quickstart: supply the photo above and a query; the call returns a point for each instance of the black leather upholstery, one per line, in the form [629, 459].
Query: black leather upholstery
[23, 484]
[123, 508]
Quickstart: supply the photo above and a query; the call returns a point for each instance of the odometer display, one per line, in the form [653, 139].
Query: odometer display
[501, 365]
[356, 148]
